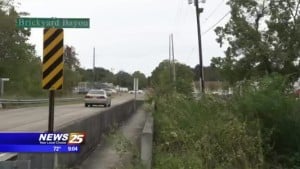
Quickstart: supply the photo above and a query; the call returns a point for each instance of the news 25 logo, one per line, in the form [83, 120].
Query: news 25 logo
[62, 138]
[76, 138]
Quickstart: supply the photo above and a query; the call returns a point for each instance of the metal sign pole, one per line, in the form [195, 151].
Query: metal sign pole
[135, 100]
[51, 111]
[135, 88]
[2, 85]
[2, 90]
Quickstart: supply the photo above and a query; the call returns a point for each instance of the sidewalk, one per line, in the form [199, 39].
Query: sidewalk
[114, 153]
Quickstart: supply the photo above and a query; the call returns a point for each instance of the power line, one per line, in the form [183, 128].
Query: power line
[191, 53]
[209, 29]
[185, 14]
[178, 13]
[213, 12]
[180, 18]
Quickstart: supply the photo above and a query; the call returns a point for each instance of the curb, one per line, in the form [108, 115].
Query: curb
[146, 142]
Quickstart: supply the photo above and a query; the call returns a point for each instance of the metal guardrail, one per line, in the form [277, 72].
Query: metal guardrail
[36, 101]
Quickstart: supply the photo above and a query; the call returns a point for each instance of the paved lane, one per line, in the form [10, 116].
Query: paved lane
[36, 118]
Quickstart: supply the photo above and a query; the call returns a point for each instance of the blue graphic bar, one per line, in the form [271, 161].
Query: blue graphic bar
[41, 138]
[39, 148]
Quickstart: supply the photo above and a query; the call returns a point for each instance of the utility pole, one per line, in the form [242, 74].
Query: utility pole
[201, 77]
[174, 72]
[94, 71]
[170, 55]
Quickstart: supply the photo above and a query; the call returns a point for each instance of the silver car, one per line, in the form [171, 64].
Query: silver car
[97, 97]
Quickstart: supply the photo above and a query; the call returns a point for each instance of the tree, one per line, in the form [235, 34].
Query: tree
[86, 74]
[124, 79]
[104, 75]
[13, 40]
[70, 59]
[163, 82]
[210, 73]
[262, 37]
[71, 70]
[18, 60]
[161, 76]
[142, 79]
[100, 75]
[184, 78]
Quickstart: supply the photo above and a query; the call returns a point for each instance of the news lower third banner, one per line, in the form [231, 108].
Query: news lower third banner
[41, 142]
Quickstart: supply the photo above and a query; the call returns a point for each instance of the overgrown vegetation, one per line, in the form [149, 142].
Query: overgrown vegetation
[257, 128]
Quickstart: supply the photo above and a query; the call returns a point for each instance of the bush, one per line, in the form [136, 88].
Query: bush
[269, 102]
[258, 128]
[203, 135]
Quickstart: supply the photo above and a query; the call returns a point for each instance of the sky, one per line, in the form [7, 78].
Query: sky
[133, 35]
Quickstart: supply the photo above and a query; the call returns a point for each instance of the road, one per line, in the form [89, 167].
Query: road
[36, 118]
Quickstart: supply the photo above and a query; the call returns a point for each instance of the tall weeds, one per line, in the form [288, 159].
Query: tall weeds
[258, 128]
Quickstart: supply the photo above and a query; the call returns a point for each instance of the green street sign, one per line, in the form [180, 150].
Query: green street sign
[53, 22]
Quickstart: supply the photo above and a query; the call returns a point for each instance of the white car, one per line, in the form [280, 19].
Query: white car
[97, 97]
[137, 92]
[110, 91]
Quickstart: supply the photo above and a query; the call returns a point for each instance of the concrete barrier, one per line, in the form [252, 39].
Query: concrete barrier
[146, 143]
[22, 164]
[94, 127]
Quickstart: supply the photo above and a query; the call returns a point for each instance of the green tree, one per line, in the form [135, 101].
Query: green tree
[70, 59]
[86, 74]
[104, 75]
[211, 73]
[163, 81]
[100, 75]
[261, 37]
[18, 60]
[184, 78]
[124, 79]
[71, 70]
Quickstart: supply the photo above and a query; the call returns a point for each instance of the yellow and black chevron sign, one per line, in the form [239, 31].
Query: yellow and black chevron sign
[53, 62]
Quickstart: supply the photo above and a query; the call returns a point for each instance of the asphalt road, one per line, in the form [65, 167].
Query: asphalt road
[35, 119]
